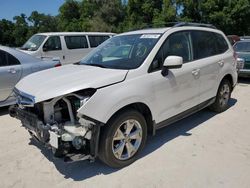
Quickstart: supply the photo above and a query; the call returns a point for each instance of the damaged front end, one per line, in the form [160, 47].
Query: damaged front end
[57, 124]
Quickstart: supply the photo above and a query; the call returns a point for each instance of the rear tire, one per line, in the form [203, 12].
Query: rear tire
[223, 96]
[123, 138]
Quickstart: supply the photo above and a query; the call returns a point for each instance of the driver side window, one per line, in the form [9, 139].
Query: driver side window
[177, 44]
[53, 44]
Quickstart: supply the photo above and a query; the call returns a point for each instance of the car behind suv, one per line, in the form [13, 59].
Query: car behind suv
[242, 49]
[127, 88]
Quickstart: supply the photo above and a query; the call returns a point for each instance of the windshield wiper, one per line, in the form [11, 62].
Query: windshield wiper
[96, 65]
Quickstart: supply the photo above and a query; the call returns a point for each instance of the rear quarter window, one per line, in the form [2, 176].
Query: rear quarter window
[7, 59]
[12, 60]
[3, 59]
[76, 42]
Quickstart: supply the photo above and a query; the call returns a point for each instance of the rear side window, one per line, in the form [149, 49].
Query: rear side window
[52, 44]
[97, 40]
[204, 44]
[3, 59]
[7, 59]
[76, 42]
[12, 60]
[222, 45]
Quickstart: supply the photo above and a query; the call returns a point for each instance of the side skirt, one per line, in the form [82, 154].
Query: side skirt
[184, 114]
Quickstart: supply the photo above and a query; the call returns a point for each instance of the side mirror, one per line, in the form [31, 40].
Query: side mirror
[45, 49]
[171, 62]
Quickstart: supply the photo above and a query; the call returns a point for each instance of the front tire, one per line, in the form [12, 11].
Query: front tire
[123, 138]
[223, 96]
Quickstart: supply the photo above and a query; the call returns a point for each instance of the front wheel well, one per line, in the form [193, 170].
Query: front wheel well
[143, 109]
[229, 78]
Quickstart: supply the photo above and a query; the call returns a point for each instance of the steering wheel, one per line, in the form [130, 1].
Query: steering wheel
[141, 50]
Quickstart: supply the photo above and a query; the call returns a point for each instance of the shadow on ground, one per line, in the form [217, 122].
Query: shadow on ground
[82, 170]
[4, 111]
[244, 80]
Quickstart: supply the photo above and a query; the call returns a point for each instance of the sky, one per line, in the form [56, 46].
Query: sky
[11, 8]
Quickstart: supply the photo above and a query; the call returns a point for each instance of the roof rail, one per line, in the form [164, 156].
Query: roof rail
[181, 24]
[174, 24]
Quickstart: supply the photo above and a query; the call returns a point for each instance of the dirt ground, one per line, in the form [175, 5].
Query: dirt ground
[203, 150]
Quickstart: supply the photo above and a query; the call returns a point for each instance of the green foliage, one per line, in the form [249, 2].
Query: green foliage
[117, 16]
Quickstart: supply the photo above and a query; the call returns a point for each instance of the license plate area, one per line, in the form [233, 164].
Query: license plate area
[53, 139]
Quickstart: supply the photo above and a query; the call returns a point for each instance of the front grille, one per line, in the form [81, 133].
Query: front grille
[247, 65]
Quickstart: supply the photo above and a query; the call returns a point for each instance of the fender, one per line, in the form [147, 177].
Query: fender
[116, 97]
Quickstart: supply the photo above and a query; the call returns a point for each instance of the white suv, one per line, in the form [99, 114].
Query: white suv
[131, 85]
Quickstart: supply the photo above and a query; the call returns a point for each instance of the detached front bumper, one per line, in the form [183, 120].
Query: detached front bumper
[54, 138]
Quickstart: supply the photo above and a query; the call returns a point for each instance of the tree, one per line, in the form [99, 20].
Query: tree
[69, 15]
[6, 35]
[167, 14]
[20, 30]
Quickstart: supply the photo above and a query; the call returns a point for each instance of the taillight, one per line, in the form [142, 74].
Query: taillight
[58, 65]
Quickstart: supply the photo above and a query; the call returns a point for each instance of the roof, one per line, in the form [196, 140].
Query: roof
[21, 56]
[75, 33]
[151, 30]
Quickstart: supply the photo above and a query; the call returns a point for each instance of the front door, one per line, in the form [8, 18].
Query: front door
[52, 48]
[179, 90]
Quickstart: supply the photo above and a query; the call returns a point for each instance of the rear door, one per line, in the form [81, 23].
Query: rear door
[209, 59]
[10, 74]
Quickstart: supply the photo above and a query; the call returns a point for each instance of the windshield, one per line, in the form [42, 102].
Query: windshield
[242, 47]
[34, 43]
[122, 52]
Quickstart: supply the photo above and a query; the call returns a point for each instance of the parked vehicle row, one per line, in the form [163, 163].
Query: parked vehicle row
[128, 87]
[69, 47]
[14, 65]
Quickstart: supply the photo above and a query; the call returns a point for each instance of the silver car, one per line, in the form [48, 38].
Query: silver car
[14, 65]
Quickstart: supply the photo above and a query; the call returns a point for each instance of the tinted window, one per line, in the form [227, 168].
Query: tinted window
[97, 40]
[7, 59]
[53, 43]
[76, 42]
[204, 44]
[222, 45]
[178, 44]
[3, 59]
[12, 60]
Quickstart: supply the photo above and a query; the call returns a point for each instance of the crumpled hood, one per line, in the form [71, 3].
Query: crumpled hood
[63, 80]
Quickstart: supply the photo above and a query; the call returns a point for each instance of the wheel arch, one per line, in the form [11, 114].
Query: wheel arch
[141, 108]
[229, 77]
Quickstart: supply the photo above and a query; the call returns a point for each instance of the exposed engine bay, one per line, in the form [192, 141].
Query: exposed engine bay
[57, 124]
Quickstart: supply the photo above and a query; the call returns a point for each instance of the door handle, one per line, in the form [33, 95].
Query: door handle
[221, 63]
[196, 72]
[12, 71]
